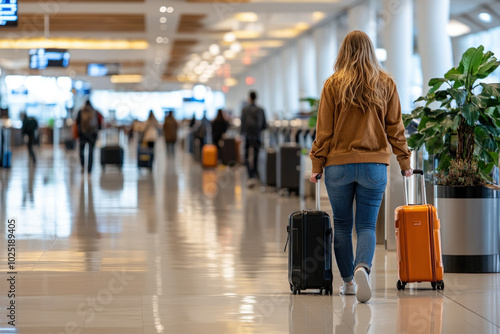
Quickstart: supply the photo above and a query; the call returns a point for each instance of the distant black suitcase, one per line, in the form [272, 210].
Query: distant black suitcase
[70, 144]
[267, 167]
[145, 157]
[288, 167]
[112, 155]
[228, 152]
[310, 251]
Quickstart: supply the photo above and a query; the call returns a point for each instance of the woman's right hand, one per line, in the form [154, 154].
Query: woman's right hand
[313, 178]
[408, 172]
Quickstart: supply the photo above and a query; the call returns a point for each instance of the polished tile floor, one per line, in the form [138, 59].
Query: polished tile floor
[186, 250]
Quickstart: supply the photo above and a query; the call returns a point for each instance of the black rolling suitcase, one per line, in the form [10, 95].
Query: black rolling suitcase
[145, 157]
[267, 167]
[288, 167]
[111, 154]
[228, 152]
[310, 251]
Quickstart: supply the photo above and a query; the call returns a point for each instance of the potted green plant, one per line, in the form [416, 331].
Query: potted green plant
[460, 127]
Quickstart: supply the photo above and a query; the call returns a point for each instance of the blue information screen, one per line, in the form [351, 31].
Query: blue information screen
[8, 13]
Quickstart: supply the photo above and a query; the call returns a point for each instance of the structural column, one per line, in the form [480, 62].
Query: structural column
[325, 40]
[290, 73]
[307, 70]
[397, 20]
[363, 17]
[434, 44]
[266, 91]
[277, 87]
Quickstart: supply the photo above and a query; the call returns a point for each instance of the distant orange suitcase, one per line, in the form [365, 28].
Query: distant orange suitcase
[418, 242]
[209, 156]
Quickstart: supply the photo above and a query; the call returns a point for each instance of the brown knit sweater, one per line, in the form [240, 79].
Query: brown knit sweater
[355, 136]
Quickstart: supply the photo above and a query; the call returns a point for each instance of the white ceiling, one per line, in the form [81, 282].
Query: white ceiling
[273, 16]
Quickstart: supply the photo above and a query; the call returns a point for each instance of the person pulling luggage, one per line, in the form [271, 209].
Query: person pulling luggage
[359, 121]
[89, 122]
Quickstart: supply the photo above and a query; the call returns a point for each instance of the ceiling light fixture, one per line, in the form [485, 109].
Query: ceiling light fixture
[456, 28]
[129, 78]
[163, 19]
[230, 82]
[229, 37]
[235, 47]
[229, 54]
[219, 60]
[247, 17]
[159, 39]
[214, 49]
[485, 17]
[74, 43]
[163, 27]
[170, 10]
[163, 9]
[206, 55]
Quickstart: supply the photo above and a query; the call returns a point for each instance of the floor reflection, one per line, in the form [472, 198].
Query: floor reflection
[419, 314]
[206, 255]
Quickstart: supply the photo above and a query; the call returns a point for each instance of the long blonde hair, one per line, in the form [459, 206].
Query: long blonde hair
[359, 80]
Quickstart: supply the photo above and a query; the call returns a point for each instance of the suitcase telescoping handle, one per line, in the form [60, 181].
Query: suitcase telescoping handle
[318, 192]
[405, 179]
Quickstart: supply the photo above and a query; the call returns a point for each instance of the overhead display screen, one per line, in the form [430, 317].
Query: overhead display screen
[42, 58]
[100, 70]
[8, 13]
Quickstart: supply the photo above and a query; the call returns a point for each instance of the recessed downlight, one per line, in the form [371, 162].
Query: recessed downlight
[163, 19]
[163, 9]
[485, 17]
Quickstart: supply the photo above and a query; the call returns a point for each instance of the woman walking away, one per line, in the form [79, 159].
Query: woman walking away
[219, 128]
[151, 130]
[359, 121]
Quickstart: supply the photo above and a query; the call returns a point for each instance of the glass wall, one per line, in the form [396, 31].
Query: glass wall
[50, 98]
[124, 106]
[42, 97]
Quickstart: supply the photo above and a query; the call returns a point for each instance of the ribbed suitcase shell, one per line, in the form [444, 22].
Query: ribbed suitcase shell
[418, 242]
[310, 253]
[288, 167]
[209, 155]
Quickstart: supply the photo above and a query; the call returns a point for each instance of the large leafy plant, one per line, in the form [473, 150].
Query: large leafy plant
[461, 118]
[313, 104]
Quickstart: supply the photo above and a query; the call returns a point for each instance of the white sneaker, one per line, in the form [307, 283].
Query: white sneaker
[364, 292]
[347, 289]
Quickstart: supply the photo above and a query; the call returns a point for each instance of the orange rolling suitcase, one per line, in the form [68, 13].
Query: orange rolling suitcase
[209, 156]
[418, 242]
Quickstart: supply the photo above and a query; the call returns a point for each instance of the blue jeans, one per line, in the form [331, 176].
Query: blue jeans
[366, 183]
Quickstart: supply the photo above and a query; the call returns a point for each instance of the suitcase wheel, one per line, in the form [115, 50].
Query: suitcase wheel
[402, 285]
[437, 285]
[295, 290]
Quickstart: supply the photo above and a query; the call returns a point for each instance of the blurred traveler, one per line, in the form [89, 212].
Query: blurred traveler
[359, 121]
[192, 122]
[219, 128]
[89, 122]
[30, 128]
[170, 133]
[253, 122]
[151, 130]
